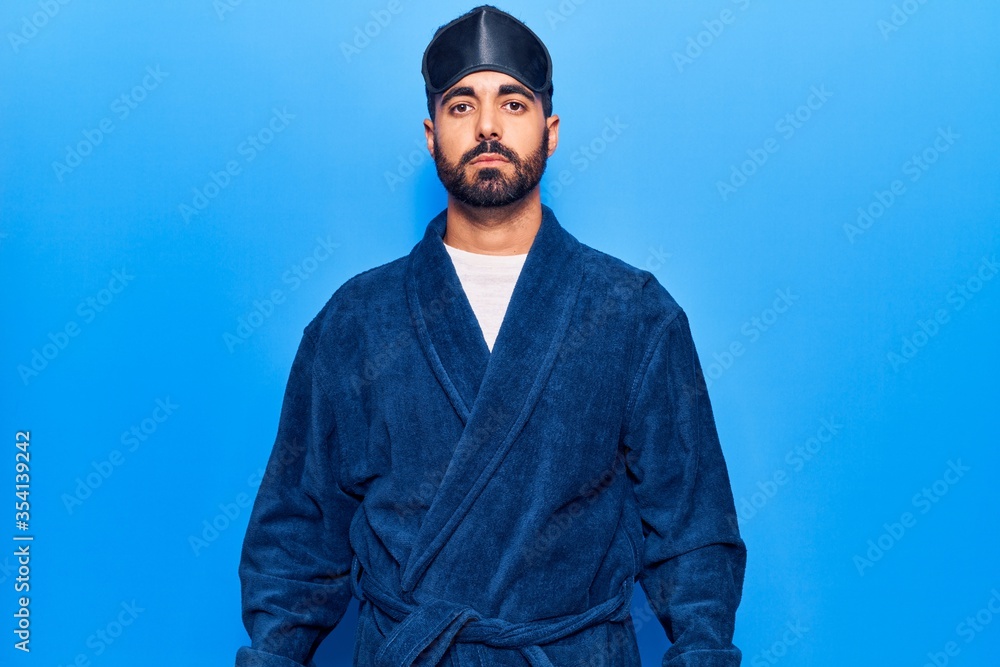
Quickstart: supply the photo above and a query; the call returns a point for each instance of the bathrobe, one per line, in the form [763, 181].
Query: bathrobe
[495, 508]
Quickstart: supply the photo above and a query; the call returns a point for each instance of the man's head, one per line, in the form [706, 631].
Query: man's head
[488, 80]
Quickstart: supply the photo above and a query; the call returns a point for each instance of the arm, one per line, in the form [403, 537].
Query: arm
[693, 557]
[296, 560]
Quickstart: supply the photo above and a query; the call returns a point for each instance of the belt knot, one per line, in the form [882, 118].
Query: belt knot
[427, 629]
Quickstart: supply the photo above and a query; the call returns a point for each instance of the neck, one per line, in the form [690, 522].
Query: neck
[494, 230]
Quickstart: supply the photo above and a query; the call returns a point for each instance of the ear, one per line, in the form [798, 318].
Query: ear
[553, 124]
[429, 134]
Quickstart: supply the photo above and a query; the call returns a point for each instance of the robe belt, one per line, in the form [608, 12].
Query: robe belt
[427, 629]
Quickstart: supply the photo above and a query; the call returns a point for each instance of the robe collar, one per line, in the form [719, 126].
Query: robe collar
[492, 393]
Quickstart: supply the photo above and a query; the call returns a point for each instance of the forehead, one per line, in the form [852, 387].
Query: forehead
[484, 81]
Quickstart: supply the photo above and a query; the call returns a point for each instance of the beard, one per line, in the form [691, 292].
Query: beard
[489, 187]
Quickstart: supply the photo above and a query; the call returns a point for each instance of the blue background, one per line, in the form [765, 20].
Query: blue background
[660, 104]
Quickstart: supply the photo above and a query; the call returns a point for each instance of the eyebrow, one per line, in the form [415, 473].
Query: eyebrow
[505, 89]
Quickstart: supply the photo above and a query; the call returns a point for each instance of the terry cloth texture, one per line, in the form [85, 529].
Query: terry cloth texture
[495, 509]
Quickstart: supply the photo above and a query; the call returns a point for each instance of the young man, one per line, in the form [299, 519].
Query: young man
[489, 440]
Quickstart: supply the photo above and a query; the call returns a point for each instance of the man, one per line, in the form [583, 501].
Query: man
[489, 440]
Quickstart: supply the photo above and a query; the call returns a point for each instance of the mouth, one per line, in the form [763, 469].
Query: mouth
[490, 158]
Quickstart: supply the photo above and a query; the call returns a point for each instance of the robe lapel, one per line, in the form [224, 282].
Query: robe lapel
[494, 393]
[446, 325]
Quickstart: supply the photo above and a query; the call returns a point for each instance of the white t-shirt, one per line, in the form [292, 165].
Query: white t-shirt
[488, 282]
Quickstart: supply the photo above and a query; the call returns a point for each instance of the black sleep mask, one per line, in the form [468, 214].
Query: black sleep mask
[486, 38]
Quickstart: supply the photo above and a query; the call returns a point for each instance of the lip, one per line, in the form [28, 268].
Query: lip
[489, 157]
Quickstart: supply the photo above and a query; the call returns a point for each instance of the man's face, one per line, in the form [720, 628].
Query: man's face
[490, 139]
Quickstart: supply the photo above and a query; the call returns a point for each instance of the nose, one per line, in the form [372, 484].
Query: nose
[488, 124]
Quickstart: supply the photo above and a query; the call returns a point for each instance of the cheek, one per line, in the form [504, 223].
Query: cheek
[452, 136]
[527, 143]
[450, 150]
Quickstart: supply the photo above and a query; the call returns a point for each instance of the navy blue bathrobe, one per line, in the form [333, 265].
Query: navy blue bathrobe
[495, 508]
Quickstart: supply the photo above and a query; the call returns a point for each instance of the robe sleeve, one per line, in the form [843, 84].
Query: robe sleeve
[693, 560]
[296, 559]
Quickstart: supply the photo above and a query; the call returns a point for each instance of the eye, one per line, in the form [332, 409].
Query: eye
[460, 104]
[518, 106]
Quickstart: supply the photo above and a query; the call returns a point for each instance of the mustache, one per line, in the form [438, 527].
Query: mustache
[490, 146]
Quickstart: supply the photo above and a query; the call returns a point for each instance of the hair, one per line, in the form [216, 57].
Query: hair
[545, 95]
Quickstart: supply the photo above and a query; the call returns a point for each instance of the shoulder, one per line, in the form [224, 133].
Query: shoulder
[653, 305]
[362, 292]
[647, 307]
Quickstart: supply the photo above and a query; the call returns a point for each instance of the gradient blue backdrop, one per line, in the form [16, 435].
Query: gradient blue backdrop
[727, 146]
